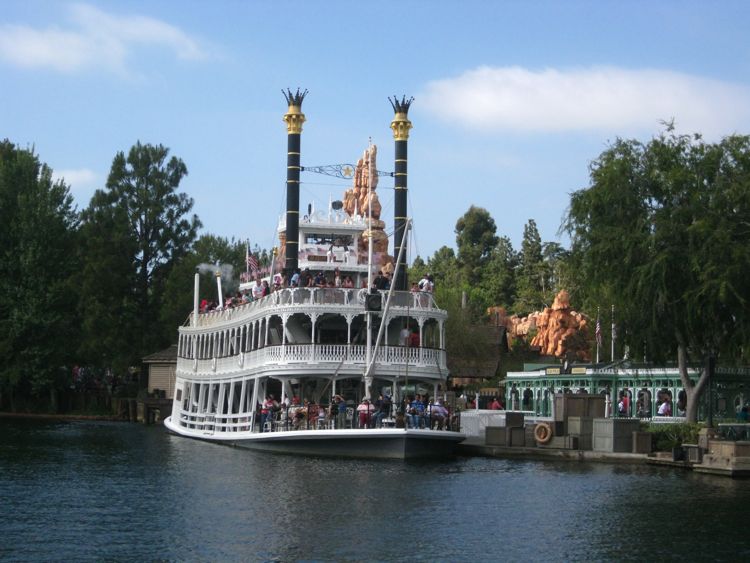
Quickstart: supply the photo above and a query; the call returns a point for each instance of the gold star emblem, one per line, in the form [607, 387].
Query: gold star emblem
[347, 171]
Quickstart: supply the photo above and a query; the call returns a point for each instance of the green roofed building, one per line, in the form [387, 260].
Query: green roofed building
[638, 389]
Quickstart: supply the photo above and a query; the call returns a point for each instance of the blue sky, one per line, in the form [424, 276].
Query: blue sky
[512, 99]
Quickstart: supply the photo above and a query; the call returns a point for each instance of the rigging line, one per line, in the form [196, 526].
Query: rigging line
[338, 185]
[344, 183]
[413, 230]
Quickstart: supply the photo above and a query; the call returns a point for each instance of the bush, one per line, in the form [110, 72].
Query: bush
[668, 436]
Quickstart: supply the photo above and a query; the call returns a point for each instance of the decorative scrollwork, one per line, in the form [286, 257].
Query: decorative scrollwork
[344, 171]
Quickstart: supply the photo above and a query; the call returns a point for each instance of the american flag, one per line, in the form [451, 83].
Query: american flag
[250, 260]
[598, 331]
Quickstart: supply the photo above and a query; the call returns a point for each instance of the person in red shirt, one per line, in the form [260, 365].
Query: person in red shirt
[414, 340]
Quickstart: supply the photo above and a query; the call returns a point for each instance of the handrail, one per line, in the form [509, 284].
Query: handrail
[315, 296]
[346, 356]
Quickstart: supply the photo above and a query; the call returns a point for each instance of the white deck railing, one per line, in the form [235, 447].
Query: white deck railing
[311, 355]
[313, 297]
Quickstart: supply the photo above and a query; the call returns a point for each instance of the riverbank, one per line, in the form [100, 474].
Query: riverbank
[473, 448]
[54, 416]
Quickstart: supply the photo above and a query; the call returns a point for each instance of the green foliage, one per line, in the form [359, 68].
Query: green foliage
[444, 267]
[531, 273]
[662, 233]
[135, 231]
[497, 284]
[475, 238]
[37, 242]
[668, 436]
[665, 224]
[492, 273]
[465, 340]
[418, 269]
[207, 250]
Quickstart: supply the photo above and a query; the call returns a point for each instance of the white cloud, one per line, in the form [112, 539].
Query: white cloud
[599, 98]
[93, 38]
[82, 182]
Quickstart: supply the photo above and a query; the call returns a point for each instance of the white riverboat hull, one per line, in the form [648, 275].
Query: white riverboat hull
[380, 443]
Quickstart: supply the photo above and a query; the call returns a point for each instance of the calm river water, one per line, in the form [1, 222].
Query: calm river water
[78, 491]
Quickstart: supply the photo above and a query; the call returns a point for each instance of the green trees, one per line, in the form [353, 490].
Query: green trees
[134, 231]
[37, 265]
[475, 238]
[491, 272]
[663, 232]
[208, 250]
[531, 274]
[100, 290]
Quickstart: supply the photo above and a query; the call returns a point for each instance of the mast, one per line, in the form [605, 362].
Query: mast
[400, 126]
[368, 348]
[294, 119]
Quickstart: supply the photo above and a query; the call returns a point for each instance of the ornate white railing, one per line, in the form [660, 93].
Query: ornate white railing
[311, 297]
[312, 355]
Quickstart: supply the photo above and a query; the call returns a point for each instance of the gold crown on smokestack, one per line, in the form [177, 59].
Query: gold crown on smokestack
[401, 123]
[294, 118]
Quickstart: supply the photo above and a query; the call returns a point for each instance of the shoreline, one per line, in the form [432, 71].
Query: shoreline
[479, 450]
[54, 416]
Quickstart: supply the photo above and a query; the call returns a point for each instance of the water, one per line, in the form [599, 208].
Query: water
[79, 491]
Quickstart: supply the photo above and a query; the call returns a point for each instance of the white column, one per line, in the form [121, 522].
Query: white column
[201, 398]
[222, 394]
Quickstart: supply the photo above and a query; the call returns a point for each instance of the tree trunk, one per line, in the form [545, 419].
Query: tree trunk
[693, 391]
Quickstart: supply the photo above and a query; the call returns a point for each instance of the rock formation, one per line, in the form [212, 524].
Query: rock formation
[560, 331]
[361, 199]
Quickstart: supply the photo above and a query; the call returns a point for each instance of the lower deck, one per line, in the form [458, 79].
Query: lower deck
[385, 443]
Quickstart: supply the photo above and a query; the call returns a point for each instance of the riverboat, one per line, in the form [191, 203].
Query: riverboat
[263, 375]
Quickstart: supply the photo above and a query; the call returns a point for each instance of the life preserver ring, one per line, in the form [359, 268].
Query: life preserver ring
[542, 433]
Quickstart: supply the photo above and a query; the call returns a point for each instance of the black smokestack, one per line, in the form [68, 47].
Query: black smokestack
[400, 126]
[294, 119]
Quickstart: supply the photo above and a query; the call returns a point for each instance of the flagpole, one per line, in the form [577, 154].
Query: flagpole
[613, 334]
[598, 334]
[247, 257]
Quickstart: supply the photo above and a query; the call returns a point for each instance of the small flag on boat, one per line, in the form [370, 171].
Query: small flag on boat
[250, 260]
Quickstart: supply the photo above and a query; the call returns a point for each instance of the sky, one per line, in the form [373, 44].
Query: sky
[512, 100]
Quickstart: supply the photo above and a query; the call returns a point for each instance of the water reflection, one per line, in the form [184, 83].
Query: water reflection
[93, 491]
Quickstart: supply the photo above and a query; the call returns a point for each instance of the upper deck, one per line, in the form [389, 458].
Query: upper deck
[328, 299]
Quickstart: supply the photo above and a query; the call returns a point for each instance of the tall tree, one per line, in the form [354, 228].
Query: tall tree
[554, 257]
[531, 273]
[443, 266]
[140, 215]
[475, 238]
[663, 232]
[37, 304]
[497, 284]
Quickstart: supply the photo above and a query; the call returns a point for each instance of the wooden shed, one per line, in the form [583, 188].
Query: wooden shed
[161, 368]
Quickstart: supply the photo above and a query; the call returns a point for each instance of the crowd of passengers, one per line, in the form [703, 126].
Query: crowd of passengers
[305, 278]
[416, 412]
